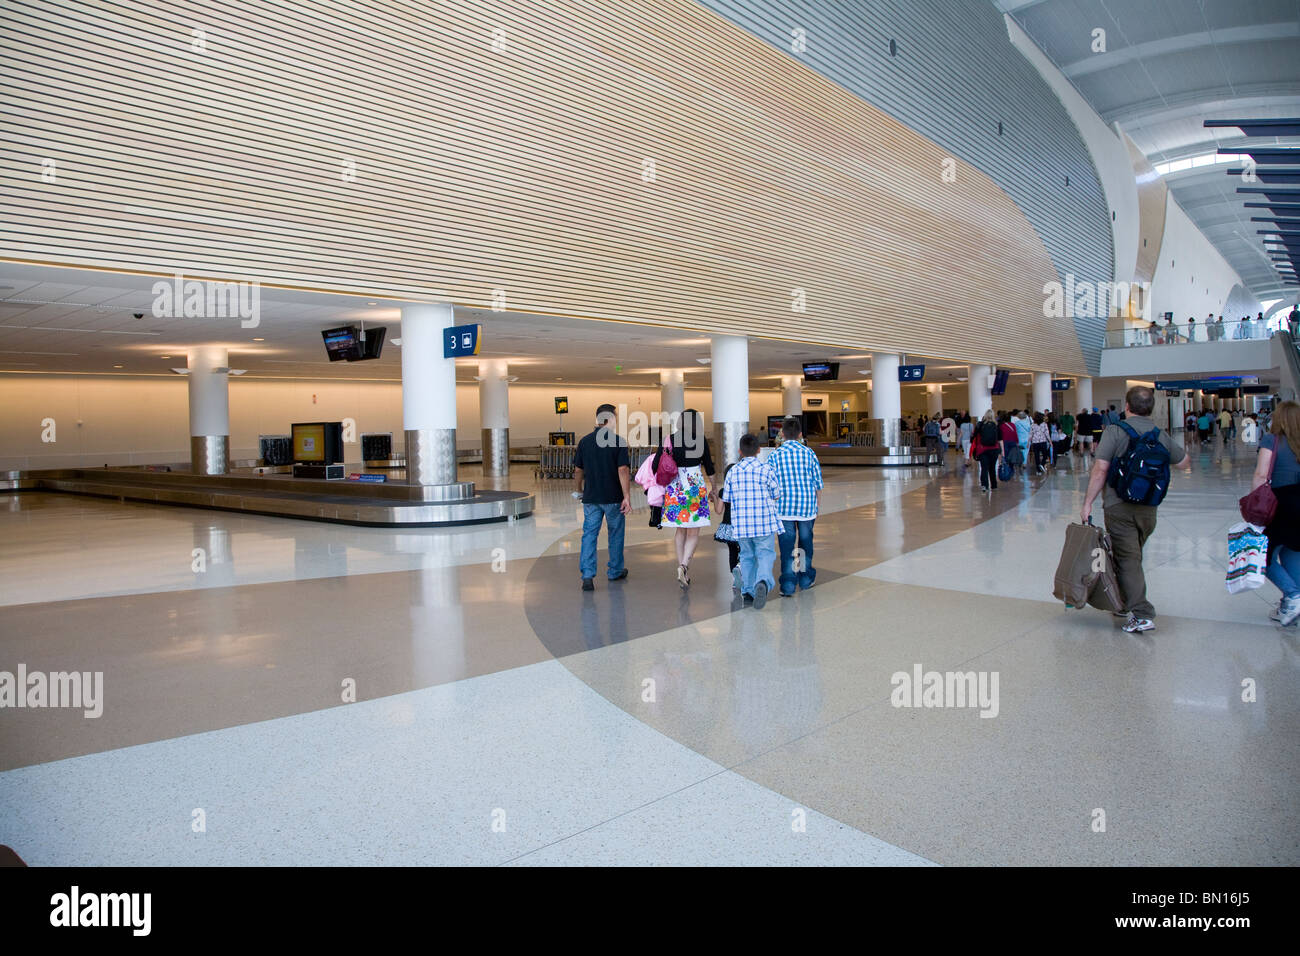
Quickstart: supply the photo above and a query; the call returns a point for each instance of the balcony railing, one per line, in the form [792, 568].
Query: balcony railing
[1174, 333]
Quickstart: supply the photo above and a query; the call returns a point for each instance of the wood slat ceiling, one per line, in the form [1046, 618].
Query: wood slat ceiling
[519, 170]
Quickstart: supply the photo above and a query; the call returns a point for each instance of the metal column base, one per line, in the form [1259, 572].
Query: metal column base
[431, 456]
[888, 432]
[210, 454]
[496, 452]
[727, 436]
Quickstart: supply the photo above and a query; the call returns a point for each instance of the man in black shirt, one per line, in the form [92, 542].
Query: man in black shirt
[1083, 425]
[603, 472]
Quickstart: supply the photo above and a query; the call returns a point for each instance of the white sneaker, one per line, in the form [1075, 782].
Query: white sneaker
[1136, 625]
[1288, 611]
[1277, 612]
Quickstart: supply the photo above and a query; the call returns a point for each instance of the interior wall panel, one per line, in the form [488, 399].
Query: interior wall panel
[1153, 196]
[522, 169]
[955, 76]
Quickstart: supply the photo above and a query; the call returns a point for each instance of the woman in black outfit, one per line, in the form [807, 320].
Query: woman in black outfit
[689, 498]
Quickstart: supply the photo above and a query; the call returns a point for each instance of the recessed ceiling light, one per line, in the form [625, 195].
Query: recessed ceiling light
[259, 340]
[164, 356]
[372, 303]
[117, 366]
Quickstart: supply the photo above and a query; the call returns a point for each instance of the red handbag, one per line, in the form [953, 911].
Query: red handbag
[666, 467]
[1260, 505]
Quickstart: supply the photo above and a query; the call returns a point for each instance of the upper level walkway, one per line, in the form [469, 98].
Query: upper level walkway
[1190, 349]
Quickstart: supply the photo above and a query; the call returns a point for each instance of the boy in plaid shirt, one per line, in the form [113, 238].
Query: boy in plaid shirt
[800, 475]
[752, 490]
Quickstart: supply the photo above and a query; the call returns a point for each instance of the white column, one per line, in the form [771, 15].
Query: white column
[1083, 398]
[886, 398]
[979, 398]
[209, 394]
[672, 391]
[934, 399]
[1042, 392]
[428, 395]
[494, 415]
[730, 367]
[791, 395]
[886, 392]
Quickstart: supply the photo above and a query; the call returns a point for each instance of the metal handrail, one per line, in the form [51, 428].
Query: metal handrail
[1183, 333]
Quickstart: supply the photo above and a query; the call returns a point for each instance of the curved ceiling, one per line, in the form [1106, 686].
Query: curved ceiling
[1169, 65]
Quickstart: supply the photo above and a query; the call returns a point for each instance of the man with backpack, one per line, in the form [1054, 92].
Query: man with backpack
[986, 450]
[1133, 463]
[933, 438]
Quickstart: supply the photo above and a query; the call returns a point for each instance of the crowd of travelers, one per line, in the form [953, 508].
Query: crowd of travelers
[767, 502]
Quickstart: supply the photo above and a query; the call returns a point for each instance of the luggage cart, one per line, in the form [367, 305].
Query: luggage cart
[555, 461]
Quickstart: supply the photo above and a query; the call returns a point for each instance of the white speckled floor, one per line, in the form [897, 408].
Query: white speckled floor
[513, 699]
[527, 765]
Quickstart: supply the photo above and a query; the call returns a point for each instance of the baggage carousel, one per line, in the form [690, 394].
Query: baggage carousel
[900, 455]
[391, 503]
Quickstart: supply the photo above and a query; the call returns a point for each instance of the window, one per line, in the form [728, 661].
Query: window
[1192, 162]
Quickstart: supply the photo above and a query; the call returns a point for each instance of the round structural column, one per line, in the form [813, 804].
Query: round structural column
[672, 391]
[428, 395]
[934, 399]
[979, 398]
[887, 398]
[1042, 392]
[209, 388]
[1084, 389]
[730, 367]
[494, 415]
[791, 395]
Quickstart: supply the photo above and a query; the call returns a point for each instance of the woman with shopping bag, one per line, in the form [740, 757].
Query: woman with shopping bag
[1277, 470]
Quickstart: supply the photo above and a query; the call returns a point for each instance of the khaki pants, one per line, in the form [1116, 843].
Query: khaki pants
[1129, 526]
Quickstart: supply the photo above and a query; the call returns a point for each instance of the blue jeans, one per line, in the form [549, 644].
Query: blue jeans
[803, 530]
[592, 515]
[756, 557]
[1284, 571]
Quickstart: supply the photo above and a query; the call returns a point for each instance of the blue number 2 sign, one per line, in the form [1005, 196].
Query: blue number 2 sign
[460, 341]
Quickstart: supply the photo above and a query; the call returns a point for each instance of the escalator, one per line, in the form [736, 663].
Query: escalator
[1286, 359]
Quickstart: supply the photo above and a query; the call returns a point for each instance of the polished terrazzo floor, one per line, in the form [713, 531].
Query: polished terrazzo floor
[503, 716]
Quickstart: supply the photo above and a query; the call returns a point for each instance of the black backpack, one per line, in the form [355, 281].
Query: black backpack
[1141, 474]
[989, 434]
